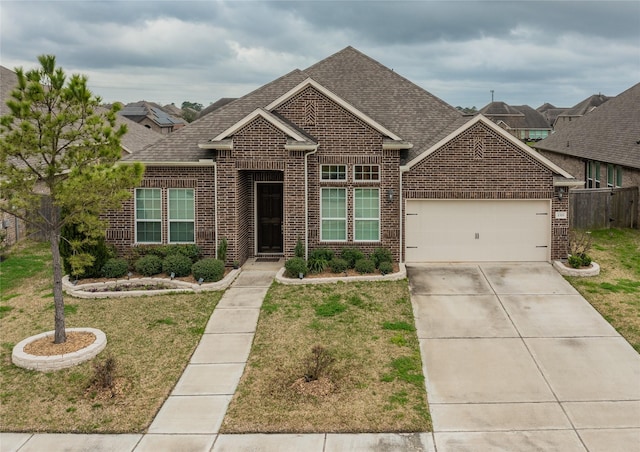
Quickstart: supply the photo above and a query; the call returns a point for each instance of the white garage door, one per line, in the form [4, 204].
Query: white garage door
[478, 230]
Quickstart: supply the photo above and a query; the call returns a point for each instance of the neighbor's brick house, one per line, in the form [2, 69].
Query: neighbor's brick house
[336, 156]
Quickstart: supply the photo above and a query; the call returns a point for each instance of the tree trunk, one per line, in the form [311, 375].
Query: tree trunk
[60, 334]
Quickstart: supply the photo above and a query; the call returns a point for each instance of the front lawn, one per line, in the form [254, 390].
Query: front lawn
[370, 372]
[615, 293]
[150, 339]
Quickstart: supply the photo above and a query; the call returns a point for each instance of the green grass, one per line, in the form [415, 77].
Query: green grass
[151, 338]
[615, 293]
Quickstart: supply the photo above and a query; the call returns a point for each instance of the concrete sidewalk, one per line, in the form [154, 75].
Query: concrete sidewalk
[516, 359]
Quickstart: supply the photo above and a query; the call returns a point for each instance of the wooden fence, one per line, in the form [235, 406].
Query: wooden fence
[603, 208]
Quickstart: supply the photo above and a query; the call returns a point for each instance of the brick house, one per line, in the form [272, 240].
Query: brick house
[347, 153]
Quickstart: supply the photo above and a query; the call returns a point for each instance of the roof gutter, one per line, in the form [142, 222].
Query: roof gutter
[199, 163]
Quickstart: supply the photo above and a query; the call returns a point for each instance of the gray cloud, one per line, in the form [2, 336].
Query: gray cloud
[168, 51]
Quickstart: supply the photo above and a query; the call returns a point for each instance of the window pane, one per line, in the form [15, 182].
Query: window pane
[148, 204]
[367, 230]
[181, 204]
[333, 172]
[618, 177]
[367, 172]
[367, 214]
[334, 230]
[334, 214]
[148, 232]
[180, 231]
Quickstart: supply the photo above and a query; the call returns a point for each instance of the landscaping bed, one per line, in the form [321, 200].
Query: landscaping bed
[371, 379]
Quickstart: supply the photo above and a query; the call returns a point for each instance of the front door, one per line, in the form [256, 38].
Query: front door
[269, 217]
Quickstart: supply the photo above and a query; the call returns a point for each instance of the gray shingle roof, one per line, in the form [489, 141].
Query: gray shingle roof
[586, 106]
[214, 106]
[515, 116]
[398, 104]
[137, 111]
[611, 133]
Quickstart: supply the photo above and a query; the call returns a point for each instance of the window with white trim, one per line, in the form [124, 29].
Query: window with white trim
[366, 173]
[593, 174]
[366, 216]
[333, 172]
[610, 176]
[618, 176]
[181, 215]
[148, 215]
[333, 213]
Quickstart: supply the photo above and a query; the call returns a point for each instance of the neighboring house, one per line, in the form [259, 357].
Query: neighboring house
[551, 112]
[136, 138]
[603, 146]
[152, 116]
[347, 153]
[521, 121]
[566, 117]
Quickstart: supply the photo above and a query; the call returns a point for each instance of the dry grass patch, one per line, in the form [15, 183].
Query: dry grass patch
[333, 358]
[615, 293]
[149, 338]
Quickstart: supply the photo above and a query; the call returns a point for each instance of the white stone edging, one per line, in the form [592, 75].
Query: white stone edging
[56, 362]
[401, 274]
[80, 291]
[593, 270]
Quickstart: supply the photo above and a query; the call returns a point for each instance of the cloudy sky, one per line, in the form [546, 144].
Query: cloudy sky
[528, 52]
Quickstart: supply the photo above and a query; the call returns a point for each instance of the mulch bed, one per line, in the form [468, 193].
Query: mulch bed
[76, 340]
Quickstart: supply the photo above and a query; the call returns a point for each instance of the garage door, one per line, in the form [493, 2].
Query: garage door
[464, 230]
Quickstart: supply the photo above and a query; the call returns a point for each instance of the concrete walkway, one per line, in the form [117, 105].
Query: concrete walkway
[515, 359]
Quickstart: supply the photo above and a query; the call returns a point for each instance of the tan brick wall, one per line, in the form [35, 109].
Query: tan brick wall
[480, 164]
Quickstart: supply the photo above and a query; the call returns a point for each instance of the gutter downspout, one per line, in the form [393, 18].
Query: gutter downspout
[401, 210]
[306, 203]
[215, 202]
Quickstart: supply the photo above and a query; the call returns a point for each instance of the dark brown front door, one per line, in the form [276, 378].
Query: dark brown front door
[269, 202]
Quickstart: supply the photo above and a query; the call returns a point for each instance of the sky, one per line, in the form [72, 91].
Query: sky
[526, 52]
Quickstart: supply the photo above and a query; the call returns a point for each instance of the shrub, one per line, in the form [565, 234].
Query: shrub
[579, 260]
[192, 251]
[222, 250]
[295, 266]
[338, 265]
[318, 363]
[365, 266]
[321, 253]
[99, 250]
[298, 251]
[178, 264]
[351, 255]
[381, 255]
[115, 268]
[210, 270]
[317, 264]
[104, 374]
[586, 259]
[385, 267]
[149, 265]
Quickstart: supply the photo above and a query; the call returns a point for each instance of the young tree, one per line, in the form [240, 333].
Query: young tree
[59, 149]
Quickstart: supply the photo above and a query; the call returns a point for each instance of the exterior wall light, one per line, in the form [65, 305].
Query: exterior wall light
[390, 194]
[561, 191]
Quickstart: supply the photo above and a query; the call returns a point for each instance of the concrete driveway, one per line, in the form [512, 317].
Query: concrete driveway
[516, 360]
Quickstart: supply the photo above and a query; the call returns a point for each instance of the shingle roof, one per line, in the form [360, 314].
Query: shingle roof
[214, 106]
[611, 133]
[398, 104]
[137, 137]
[586, 106]
[515, 116]
[136, 111]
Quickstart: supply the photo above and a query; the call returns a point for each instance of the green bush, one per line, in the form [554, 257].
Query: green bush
[317, 265]
[579, 260]
[298, 251]
[321, 253]
[115, 268]
[295, 266]
[338, 265]
[178, 264]
[385, 267]
[365, 266]
[149, 265]
[100, 251]
[210, 270]
[351, 255]
[586, 259]
[192, 251]
[381, 255]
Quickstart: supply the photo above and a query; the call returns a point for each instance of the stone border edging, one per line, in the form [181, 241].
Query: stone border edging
[56, 362]
[180, 287]
[594, 270]
[401, 274]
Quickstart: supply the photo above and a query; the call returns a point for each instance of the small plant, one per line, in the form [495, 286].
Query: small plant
[385, 268]
[149, 265]
[296, 266]
[104, 374]
[222, 250]
[381, 255]
[338, 265]
[298, 250]
[579, 260]
[115, 268]
[351, 255]
[579, 242]
[192, 251]
[210, 270]
[236, 264]
[178, 264]
[365, 266]
[318, 363]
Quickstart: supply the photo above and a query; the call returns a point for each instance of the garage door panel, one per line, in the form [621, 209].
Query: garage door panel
[513, 230]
